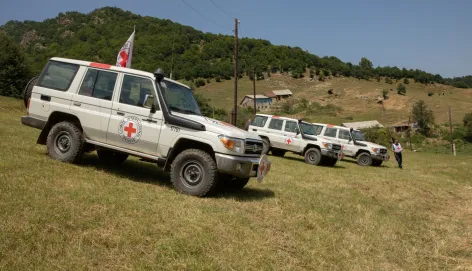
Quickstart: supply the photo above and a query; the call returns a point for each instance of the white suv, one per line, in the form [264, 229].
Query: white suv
[84, 106]
[281, 134]
[354, 144]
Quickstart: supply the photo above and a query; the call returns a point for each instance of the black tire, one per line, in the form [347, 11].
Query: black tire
[28, 89]
[266, 146]
[194, 172]
[112, 158]
[377, 163]
[229, 183]
[65, 142]
[329, 162]
[279, 153]
[313, 156]
[364, 159]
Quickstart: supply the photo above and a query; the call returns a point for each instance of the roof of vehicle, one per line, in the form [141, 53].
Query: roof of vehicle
[335, 126]
[111, 67]
[279, 117]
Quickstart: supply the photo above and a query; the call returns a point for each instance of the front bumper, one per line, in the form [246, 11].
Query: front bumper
[382, 157]
[33, 122]
[331, 153]
[243, 167]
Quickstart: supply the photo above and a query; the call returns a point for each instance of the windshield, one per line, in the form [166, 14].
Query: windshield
[179, 98]
[357, 135]
[308, 129]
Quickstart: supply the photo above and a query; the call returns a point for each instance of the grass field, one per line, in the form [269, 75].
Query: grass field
[357, 98]
[76, 217]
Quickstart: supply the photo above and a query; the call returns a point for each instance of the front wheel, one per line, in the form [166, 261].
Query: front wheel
[313, 156]
[364, 159]
[194, 172]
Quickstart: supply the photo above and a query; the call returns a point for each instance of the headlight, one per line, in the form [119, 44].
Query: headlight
[327, 145]
[234, 144]
[375, 150]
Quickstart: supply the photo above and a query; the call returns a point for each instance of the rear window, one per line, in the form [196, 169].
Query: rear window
[259, 121]
[58, 75]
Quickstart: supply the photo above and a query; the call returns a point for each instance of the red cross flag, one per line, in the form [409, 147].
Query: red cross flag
[126, 53]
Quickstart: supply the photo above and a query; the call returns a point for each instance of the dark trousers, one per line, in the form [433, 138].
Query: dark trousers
[398, 157]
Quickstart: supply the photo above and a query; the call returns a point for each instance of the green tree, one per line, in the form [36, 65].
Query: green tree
[467, 118]
[423, 116]
[366, 64]
[14, 72]
[401, 89]
[406, 81]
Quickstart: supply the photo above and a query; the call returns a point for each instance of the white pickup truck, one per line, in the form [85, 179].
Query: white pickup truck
[281, 134]
[354, 144]
[84, 106]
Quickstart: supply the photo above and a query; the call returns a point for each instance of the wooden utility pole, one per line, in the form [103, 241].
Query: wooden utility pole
[409, 132]
[236, 73]
[254, 87]
[450, 129]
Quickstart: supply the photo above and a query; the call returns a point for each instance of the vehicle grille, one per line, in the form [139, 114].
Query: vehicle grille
[383, 151]
[253, 147]
[336, 147]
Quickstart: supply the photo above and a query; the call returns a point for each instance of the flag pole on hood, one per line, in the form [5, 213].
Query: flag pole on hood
[125, 55]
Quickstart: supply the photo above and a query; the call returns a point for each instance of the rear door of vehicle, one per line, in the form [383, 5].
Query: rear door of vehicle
[92, 103]
[133, 126]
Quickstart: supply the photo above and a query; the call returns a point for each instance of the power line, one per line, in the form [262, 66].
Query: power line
[201, 14]
[220, 8]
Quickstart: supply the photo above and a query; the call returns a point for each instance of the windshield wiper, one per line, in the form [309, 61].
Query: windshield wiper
[183, 110]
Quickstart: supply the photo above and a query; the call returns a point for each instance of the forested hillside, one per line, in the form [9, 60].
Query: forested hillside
[99, 35]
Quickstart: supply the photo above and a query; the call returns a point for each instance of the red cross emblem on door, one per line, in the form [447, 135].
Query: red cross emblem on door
[288, 140]
[130, 129]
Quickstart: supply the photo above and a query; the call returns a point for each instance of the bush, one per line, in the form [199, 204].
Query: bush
[385, 94]
[208, 81]
[199, 83]
[406, 81]
[430, 94]
[388, 80]
[218, 79]
[378, 135]
[418, 138]
[321, 76]
[401, 89]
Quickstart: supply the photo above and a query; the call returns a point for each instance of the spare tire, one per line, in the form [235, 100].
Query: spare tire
[28, 89]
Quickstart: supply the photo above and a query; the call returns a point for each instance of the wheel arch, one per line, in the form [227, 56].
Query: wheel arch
[53, 119]
[362, 151]
[185, 143]
[309, 146]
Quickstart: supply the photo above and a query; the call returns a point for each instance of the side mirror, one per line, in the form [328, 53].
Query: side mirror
[149, 103]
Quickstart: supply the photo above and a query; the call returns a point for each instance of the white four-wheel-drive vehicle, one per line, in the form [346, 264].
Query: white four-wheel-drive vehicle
[354, 144]
[281, 134]
[84, 106]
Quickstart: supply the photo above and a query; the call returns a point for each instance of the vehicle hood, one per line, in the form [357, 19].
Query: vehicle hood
[372, 145]
[219, 127]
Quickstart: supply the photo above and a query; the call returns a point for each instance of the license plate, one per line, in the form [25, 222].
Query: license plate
[264, 168]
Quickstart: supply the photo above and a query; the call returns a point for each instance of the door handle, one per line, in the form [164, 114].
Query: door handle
[255, 130]
[120, 113]
[77, 104]
[150, 120]
[46, 98]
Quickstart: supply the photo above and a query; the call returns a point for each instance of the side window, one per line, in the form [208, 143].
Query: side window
[98, 84]
[276, 124]
[331, 132]
[318, 129]
[343, 134]
[134, 90]
[290, 126]
[58, 75]
[259, 121]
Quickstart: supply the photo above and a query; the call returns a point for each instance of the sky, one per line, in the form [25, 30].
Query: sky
[431, 35]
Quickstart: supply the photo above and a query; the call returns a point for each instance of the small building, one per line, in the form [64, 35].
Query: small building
[262, 102]
[279, 94]
[402, 126]
[362, 124]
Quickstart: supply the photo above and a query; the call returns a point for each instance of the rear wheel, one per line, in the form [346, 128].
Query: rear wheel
[313, 156]
[364, 159]
[231, 183]
[109, 157]
[279, 153]
[194, 172]
[65, 142]
[377, 163]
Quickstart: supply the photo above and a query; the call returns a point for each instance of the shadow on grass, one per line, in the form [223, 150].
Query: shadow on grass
[247, 194]
[355, 162]
[301, 160]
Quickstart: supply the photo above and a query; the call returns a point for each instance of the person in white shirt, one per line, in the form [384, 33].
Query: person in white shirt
[397, 149]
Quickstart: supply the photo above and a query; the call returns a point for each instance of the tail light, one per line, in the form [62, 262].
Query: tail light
[28, 105]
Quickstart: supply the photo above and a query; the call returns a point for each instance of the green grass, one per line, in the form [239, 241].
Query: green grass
[357, 98]
[86, 216]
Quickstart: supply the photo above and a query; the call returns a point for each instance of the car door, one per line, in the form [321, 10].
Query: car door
[92, 103]
[275, 134]
[133, 126]
[331, 133]
[347, 144]
[291, 142]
